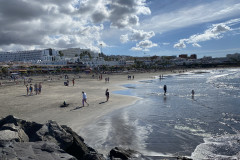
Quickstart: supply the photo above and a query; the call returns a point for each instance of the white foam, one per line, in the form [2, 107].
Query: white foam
[222, 147]
[155, 154]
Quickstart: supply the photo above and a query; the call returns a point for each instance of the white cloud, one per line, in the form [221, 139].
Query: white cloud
[165, 44]
[144, 45]
[139, 35]
[124, 38]
[216, 31]
[196, 45]
[136, 49]
[188, 16]
[136, 35]
[120, 13]
[68, 23]
[180, 44]
[125, 13]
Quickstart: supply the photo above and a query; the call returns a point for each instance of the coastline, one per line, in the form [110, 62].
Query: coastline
[46, 106]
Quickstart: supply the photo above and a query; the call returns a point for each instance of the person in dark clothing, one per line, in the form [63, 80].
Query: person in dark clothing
[107, 94]
[165, 89]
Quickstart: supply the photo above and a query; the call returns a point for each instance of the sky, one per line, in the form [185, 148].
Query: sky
[123, 27]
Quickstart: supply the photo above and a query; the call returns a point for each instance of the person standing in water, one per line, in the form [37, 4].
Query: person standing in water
[165, 89]
[193, 92]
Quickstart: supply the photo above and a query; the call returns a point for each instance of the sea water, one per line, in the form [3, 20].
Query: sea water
[203, 126]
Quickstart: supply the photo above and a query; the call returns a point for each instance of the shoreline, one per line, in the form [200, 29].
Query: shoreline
[46, 106]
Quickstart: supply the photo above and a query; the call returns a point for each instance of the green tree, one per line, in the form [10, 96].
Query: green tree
[84, 53]
[58, 70]
[61, 54]
[5, 70]
[77, 69]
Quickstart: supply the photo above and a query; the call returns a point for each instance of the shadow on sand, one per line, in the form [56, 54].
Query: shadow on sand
[102, 102]
[64, 105]
[79, 107]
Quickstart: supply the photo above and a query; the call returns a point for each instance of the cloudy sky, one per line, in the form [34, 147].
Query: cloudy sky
[125, 27]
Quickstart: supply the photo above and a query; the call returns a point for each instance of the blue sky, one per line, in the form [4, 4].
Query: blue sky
[123, 27]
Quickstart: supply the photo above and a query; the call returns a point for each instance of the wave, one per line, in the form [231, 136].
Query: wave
[221, 147]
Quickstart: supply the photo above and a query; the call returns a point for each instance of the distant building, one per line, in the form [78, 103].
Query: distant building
[26, 56]
[129, 63]
[235, 56]
[75, 52]
[169, 57]
[193, 56]
[183, 56]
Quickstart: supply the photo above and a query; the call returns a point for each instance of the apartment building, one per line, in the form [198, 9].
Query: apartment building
[29, 56]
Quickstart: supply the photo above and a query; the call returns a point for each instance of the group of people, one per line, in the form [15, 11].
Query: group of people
[107, 79]
[67, 82]
[37, 88]
[130, 77]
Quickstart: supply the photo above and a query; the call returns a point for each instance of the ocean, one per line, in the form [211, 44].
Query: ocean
[203, 126]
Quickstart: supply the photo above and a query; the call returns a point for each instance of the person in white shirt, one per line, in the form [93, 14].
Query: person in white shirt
[84, 98]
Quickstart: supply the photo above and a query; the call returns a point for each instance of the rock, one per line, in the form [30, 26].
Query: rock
[14, 124]
[34, 150]
[118, 153]
[8, 135]
[14, 130]
[20, 139]
[53, 132]
[183, 158]
[80, 149]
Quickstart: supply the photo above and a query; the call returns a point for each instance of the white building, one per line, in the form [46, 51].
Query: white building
[30, 56]
[18, 56]
[75, 52]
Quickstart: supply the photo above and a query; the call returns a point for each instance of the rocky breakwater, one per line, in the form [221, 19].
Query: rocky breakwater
[20, 139]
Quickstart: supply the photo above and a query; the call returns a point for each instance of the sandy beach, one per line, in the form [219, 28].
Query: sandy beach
[46, 106]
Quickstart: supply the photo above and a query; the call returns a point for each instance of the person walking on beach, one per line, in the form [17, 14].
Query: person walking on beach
[107, 94]
[40, 88]
[73, 81]
[31, 89]
[165, 89]
[27, 89]
[84, 98]
[36, 88]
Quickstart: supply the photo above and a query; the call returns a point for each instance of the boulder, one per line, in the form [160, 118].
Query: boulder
[24, 135]
[119, 153]
[14, 124]
[8, 135]
[51, 131]
[34, 150]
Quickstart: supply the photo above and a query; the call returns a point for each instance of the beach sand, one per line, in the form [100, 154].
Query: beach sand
[46, 106]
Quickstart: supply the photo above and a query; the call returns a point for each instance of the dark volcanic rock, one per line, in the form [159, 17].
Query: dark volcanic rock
[26, 130]
[125, 154]
[34, 150]
[19, 137]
